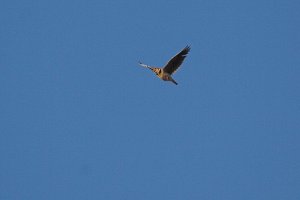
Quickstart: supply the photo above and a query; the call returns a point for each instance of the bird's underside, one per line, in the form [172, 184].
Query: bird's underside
[171, 67]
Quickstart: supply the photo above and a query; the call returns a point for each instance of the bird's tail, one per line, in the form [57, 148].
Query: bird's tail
[147, 66]
[143, 65]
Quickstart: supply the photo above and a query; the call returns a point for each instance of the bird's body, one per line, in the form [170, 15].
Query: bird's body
[171, 67]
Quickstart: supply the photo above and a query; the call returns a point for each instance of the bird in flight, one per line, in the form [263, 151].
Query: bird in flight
[171, 67]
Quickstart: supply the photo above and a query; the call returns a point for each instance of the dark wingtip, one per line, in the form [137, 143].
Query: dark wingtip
[175, 82]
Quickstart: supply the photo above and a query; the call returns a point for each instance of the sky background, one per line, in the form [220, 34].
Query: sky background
[80, 119]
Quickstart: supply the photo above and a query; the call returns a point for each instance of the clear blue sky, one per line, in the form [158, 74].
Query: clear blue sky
[79, 119]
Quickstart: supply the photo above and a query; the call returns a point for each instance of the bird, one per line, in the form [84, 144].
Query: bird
[171, 67]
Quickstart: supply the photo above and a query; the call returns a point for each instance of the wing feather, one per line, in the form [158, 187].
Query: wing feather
[176, 61]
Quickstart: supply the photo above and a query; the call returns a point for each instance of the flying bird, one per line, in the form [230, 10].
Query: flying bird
[171, 67]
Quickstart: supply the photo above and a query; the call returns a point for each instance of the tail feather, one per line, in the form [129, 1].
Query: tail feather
[143, 65]
[147, 66]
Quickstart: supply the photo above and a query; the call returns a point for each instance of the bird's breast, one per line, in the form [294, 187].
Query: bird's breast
[165, 76]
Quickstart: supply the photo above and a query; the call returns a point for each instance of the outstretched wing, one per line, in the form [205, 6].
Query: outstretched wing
[176, 61]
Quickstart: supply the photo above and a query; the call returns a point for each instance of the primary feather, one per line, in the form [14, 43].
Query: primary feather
[176, 61]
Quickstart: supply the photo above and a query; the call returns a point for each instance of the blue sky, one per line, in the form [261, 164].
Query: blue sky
[81, 120]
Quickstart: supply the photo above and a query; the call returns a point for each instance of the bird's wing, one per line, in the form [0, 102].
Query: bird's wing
[176, 61]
